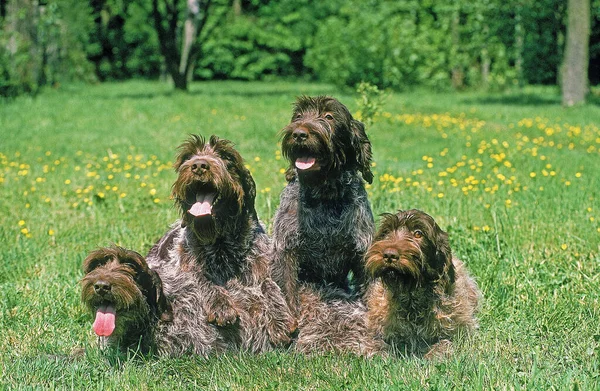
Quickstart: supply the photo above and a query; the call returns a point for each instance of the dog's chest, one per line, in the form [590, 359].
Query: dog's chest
[223, 262]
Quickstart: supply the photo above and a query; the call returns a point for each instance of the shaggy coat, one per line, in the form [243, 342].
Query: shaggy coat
[324, 223]
[215, 262]
[333, 321]
[422, 296]
[125, 299]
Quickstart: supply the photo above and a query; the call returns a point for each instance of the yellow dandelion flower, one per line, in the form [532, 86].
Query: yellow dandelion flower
[156, 200]
[486, 228]
[51, 232]
[123, 195]
[578, 175]
[564, 246]
[24, 231]
[440, 195]
[21, 223]
[532, 174]
[152, 192]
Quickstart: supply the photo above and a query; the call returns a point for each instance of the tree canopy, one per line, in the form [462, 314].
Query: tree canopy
[398, 44]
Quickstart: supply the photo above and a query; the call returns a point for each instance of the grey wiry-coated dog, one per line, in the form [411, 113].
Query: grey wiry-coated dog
[421, 296]
[324, 223]
[217, 262]
[126, 299]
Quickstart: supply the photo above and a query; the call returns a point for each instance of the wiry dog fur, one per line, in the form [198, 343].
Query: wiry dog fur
[324, 223]
[125, 297]
[331, 321]
[422, 295]
[217, 259]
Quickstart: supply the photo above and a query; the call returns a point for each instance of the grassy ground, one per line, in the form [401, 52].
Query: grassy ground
[514, 179]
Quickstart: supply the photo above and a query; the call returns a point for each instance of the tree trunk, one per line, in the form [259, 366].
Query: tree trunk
[23, 43]
[190, 30]
[237, 7]
[519, 44]
[458, 75]
[576, 56]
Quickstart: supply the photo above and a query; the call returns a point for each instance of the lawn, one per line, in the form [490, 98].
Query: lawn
[513, 178]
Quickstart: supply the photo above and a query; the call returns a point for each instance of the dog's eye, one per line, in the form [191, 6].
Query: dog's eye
[418, 234]
[297, 117]
[329, 117]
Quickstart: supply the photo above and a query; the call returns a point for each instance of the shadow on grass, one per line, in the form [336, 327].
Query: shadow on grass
[522, 99]
[228, 88]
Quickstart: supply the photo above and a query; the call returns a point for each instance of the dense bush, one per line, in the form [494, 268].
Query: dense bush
[394, 44]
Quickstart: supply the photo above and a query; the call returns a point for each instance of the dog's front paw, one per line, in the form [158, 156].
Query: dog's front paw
[282, 332]
[221, 311]
[440, 350]
[283, 325]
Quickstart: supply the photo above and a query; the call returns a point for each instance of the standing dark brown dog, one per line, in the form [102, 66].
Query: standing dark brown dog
[422, 295]
[324, 223]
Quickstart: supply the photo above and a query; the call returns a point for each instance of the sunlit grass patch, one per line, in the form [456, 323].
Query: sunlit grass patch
[515, 186]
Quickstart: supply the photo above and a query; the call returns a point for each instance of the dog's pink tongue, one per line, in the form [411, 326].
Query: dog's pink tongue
[203, 205]
[304, 163]
[104, 325]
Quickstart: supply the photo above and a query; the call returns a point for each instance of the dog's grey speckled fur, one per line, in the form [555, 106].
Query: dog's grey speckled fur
[216, 268]
[324, 223]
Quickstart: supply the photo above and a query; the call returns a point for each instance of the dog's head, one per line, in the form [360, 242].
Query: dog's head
[410, 250]
[121, 291]
[323, 139]
[213, 186]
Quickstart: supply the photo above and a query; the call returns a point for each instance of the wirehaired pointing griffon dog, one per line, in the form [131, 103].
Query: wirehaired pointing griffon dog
[220, 250]
[422, 296]
[125, 298]
[324, 223]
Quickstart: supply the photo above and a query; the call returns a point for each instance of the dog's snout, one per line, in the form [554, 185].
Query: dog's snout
[199, 166]
[390, 255]
[300, 134]
[102, 287]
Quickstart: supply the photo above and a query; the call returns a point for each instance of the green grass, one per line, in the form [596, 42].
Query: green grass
[514, 179]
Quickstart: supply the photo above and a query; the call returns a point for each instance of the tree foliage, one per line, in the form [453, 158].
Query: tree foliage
[398, 44]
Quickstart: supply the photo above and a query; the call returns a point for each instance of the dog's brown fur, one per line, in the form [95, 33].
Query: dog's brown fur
[331, 321]
[223, 248]
[422, 296]
[121, 279]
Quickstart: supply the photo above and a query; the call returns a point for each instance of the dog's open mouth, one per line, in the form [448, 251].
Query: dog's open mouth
[105, 321]
[306, 163]
[202, 199]
[395, 275]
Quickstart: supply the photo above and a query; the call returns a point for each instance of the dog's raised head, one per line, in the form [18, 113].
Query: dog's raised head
[324, 139]
[122, 292]
[213, 186]
[410, 250]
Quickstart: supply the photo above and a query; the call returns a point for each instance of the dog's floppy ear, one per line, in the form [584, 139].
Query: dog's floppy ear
[163, 307]
[249, 187]
[362, 149]
[443, 254]
[151, 284]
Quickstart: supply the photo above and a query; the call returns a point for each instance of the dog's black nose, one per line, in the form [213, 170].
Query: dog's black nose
[390, 255]
[200, 165]
[300, 134]
[101, 287]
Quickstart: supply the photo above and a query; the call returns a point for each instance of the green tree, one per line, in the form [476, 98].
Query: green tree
[180, 49]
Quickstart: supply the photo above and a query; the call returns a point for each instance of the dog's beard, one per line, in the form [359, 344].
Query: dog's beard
[205, 228]
[398, 278]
